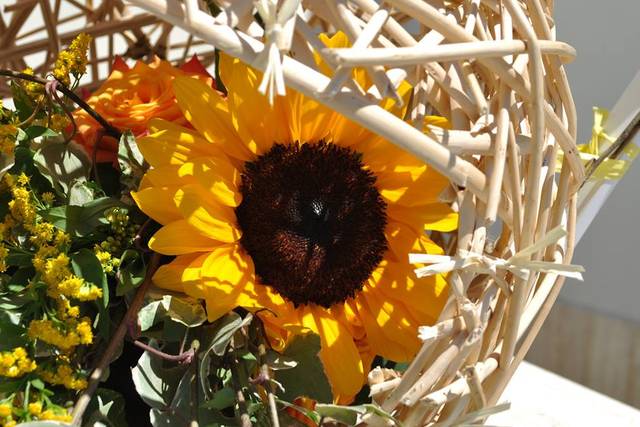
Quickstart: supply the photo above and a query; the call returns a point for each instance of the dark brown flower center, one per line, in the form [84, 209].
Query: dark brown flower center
[312, 220]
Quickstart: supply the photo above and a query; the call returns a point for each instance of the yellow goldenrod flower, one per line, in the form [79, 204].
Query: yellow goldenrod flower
[59, 122]
[16, 363]
[299, 214]
[7, 139]
[84, 331]
[64, 375]
[23, 179]
[34, 90]
[66, 310]
[77, 333]
[35, 408]
[72, 60]
[5, 410]
[42, 233]
[47, 198]
[49, 415]
[61, 239]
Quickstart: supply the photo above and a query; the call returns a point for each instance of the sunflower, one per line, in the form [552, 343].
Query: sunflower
[297, 213]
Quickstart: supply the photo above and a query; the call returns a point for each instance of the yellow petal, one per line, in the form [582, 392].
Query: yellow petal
[209, 113]
[259, 124]
[220, 179]
[178, 238]
[425, 297]
[171, 144]
[339, 354]
[228, 281]
[390, 332]
[434, 216]
[157, 202]
[401, 239]
[212, 220]
[179, 274]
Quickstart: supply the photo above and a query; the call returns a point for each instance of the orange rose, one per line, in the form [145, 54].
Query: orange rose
[129, 98]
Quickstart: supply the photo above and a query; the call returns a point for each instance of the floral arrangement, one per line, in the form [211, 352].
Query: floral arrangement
[248, 260]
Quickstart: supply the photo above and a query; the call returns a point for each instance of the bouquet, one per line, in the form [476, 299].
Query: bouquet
[178, 249]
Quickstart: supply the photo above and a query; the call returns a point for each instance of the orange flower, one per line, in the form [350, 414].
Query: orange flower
[129, 98]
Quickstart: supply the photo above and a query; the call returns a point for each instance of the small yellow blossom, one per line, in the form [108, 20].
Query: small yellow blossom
[10, 423]
[34, 90]
[61, 238]
[15, 363]
[59, 122]
[50, 415]
[7, 139]
[72, 60]
[63, 375]
[23, 179]
[77, 332]
[48, 198]
[5, 410]
[42, 233]
[35, 408]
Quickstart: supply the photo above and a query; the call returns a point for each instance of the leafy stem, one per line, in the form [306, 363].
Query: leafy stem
[108, 128]
[115, 342]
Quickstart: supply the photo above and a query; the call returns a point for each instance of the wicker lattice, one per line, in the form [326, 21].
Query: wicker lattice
[32, 33]
[494, 69]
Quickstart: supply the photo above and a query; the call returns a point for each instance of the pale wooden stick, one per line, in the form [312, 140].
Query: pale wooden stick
[443, 53]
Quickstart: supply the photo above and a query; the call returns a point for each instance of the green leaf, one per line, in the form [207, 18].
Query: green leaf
[85, 264]
[80, 193]
[131, 161]
[62, 163]
[185, 311]
[22, 101]
[107, 408]
[33, 132]
[278, 362]
[216, 338]
[304, 349]
[155, 384]
[221, 399]
[131, 272]
[80, 221]
[19, 258]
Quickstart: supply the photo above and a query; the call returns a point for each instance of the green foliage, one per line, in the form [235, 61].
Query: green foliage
[304, 350]
[82, 220]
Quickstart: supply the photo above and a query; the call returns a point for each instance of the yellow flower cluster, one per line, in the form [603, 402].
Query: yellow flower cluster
[6, 412]
[35, 409]
[16, 363]
[59, 122]
[34, 90]
[72, 60]
[7, 138]
[75, 332]
[50, 415]
[64, 375]
[108, 262]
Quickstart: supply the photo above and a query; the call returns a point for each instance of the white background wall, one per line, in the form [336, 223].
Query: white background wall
[606, 35]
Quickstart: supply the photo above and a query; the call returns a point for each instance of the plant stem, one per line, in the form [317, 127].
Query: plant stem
[114, 343]
[109, 129]
[271, 399]
[183, 357]
[245, 419]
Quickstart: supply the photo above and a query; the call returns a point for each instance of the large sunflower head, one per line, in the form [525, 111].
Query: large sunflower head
[299, 211]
